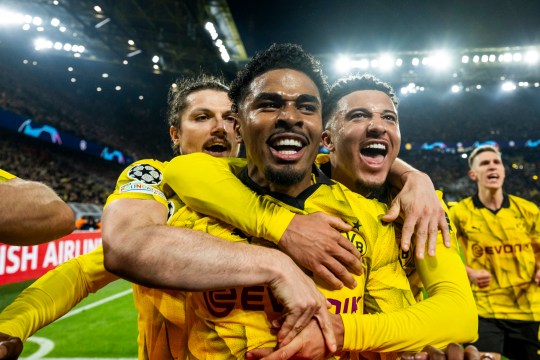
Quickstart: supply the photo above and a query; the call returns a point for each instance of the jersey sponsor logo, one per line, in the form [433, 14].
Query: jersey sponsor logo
[145, 173]
[139, 187]
[345, 306]
[220, 303]
[479, 251]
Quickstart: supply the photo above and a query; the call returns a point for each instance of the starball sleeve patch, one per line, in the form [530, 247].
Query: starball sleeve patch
[146, 173]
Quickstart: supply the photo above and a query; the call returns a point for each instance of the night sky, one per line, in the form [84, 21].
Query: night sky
[365, 26]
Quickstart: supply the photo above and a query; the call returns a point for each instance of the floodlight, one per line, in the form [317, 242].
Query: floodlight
[77, 55]
[105, 75]
[141, 97]
[415, 61]
[465, 59]
[492, 58]
[36, 20]
[8, 18]
[507, 57]
[55, 22]
[476, 59]
[62, 28]
[374, 63]
[508, 86]
[517, 56]
[125, 62]
[464, 155]
[131, 42]
[97, 8]
[156, 67]
[67, 46]
[484, 58]
[385, 62]
[75, 48]
[81, 48]
[70, 69]
[212, 30]
[40, 28]
[98, 89]
[219, 42]
[478, 87]
[73, 80]
[25, 61]
[531, 57]
[117, 88]
[155, 59]
[26, 27]
[55, 2]
[399, 62]
[455, 88]
[440, 60]
[343, 64]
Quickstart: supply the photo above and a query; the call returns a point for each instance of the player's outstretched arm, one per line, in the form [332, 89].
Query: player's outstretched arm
[32, 213]
[420, 207]
[141, 248]
[54, 294]
[313, 241]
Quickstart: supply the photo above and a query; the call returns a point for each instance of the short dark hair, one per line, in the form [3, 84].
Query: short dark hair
[183, 87]
[277, 56]
[350, 84]
[480, 149]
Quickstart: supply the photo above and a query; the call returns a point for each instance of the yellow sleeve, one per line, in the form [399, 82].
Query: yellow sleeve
[141, 180]
[209, 185]
[448, 315]
[5, 176]
[54, 294]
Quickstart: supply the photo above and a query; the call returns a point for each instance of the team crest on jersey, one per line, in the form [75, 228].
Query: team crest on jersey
[145, 173]
[357, 240]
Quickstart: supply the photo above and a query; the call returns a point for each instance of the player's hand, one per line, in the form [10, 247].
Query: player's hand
[309, 344]
[302, 302]
[422, 212]
[452, 352]
[10, 347]
[314, 242]
[479, 277]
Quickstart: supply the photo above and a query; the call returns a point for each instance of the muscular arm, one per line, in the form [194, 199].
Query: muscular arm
[313, 241]
[420, 206]
[140, 247]
[32, 213]
[54, 294]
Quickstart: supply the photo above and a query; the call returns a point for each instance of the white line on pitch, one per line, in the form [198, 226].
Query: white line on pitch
[97, 303]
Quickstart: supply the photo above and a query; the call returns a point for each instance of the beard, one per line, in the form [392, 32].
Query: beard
[369, 190]
[286, 176]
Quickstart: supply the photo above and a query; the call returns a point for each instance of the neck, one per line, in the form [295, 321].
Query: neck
[292, 190]
[491, 198]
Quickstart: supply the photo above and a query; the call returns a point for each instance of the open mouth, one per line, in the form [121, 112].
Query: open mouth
[287, 148]
[374, 153]
[493, 176]
[217, 147]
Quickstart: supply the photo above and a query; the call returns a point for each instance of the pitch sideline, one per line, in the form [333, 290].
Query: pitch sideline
[46, 345]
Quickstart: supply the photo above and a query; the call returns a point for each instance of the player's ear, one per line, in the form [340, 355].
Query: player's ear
[175, 135]
[238, 132]
[327, 141]
[472, 175]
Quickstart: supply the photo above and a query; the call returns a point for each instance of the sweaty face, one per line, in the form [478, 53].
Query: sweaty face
[207, 125]
[364, 140]
[488, 170]
[281, 124]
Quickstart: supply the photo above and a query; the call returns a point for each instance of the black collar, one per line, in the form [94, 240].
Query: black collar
[478, 204]
[297, 202]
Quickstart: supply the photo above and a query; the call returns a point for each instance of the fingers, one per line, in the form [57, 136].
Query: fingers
[471, 353]
[337, 223]
[292, 325]
[256, 354]
[393, 212]
[411, 355]
[337, 273]
[10, 348]
[327, 276]
[285, 352]
[454, 352]
[407, 231]
[421, 237]
[325, 323]
[445, 230]
[433, 232]
[434, 353]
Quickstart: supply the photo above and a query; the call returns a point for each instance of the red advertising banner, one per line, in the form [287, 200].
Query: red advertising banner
[19, 263]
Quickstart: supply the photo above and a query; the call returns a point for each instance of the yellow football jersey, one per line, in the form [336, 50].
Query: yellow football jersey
[5, 176]
[227, 323]
[502, 243]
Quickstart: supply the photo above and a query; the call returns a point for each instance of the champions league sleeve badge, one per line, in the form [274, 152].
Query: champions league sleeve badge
[145, 173]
